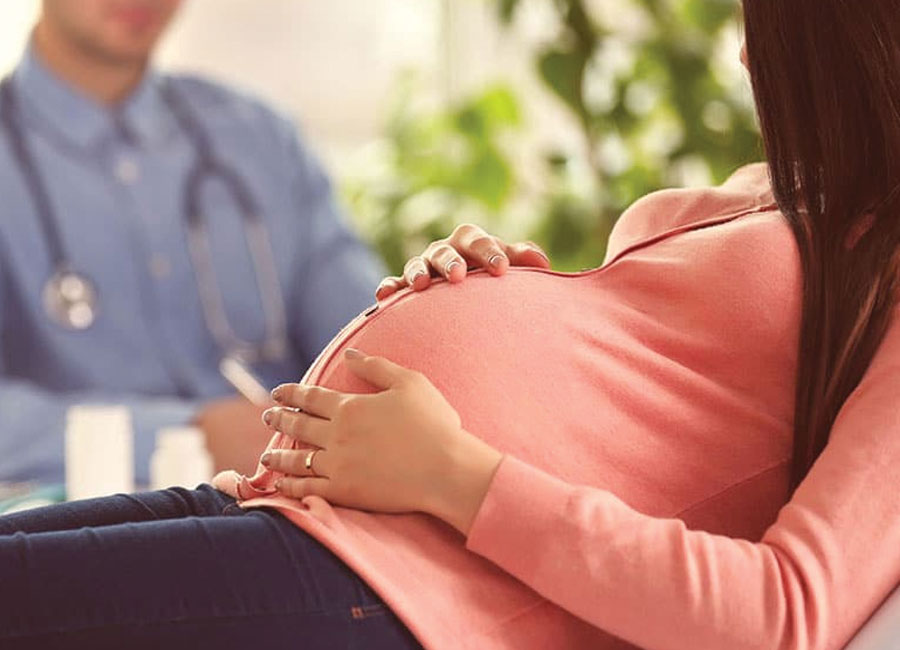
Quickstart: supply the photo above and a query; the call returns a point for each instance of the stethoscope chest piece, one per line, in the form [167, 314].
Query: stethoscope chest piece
[70, 300]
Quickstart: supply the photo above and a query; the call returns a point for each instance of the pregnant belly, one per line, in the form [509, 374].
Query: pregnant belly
[557, 369]
[553, 369]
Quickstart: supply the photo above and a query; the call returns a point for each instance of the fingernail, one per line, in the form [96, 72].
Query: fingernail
[495, 260]
[266, 459]
[452, 265]
[417, 275]
[541, 253]
[278, 393]
[278, 484]
[268, 416]
[353, 353]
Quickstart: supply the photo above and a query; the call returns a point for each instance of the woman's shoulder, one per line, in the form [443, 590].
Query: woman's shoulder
[746, 191]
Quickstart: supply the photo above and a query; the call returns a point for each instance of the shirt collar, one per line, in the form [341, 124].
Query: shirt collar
[142, 117]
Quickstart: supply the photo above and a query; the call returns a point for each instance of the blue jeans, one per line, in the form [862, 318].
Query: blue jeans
[179, 569]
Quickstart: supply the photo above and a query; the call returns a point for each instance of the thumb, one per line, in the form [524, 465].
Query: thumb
[227, 482]
[377, 371]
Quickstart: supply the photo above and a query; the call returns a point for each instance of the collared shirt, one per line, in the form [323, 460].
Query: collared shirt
[117, 182]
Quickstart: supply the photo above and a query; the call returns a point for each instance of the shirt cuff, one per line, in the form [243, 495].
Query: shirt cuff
[522, 503]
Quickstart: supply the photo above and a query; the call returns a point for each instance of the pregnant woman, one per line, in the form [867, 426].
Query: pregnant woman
[694, 446]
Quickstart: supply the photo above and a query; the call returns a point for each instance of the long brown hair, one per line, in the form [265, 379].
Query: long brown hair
[826, 78]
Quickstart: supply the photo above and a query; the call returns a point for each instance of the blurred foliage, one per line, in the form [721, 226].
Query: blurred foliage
[648, 106]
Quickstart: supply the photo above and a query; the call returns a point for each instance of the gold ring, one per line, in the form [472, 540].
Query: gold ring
[309, 461]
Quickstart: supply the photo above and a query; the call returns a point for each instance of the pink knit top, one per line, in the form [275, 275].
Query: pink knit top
[645, 410]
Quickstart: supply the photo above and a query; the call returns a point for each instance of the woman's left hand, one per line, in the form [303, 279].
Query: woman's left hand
[402, 449]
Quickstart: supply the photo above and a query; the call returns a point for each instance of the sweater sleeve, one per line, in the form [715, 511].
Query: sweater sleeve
[818, 572]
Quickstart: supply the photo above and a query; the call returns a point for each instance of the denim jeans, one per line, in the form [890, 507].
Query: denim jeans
[179, 569]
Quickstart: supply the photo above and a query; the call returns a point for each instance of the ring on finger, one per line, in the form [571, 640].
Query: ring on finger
[308, 461]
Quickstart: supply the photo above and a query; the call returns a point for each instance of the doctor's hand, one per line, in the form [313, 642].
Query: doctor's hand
[402, 449]
[235, 435]
[467, 247]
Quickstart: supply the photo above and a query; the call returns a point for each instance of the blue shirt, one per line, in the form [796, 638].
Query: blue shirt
[116, 181]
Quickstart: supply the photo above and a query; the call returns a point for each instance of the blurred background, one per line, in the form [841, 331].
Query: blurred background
[538, 119]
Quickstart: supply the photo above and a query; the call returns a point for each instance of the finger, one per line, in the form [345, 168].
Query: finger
[388, 287]
[416, 273]
[293, 462]
[299, 488]
[287, 461]
[377, 371]
[527, 254]
[315, 400]
[463, 235]
[298, 425]
[480, 248]
[444, 259]
[490, 255]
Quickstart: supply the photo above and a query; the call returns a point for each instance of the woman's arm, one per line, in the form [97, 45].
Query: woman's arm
[817, 574]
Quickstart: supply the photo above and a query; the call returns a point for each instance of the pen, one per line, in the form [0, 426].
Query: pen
[244, 381]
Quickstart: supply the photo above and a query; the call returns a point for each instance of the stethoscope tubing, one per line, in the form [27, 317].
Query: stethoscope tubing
[33, 179]
[207, 166]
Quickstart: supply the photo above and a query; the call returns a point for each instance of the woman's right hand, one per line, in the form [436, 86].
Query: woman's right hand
[468, 247]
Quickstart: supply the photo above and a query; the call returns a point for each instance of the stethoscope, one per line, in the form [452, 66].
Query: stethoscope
[70, 298]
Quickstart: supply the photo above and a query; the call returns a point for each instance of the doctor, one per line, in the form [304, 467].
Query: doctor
[151, 226]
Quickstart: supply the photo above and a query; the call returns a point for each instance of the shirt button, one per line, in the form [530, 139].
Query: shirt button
[127, 171]
[160, 266]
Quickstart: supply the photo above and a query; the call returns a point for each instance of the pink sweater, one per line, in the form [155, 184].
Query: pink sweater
[645, 411]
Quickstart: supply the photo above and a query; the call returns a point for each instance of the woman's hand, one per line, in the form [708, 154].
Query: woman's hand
[450, 258]
[402, 449]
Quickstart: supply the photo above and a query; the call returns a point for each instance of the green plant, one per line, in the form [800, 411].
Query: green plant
[649, 107]
[440, 167]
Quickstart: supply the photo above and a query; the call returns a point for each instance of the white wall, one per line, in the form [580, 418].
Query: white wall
[16, 18]
[328, 64]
